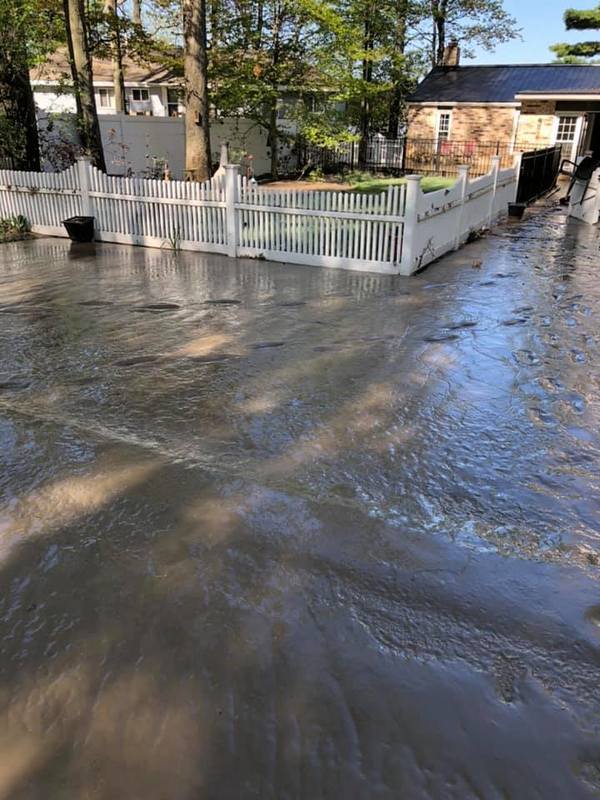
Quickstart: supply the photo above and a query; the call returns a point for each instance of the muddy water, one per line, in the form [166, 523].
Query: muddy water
[277, 532]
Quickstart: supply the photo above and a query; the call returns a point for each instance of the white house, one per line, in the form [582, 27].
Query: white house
[151, 135]
[150, 90]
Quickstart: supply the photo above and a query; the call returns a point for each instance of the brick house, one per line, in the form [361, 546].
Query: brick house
[517, 105]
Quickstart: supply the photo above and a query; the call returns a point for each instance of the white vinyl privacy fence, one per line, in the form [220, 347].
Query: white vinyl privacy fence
[396, 231]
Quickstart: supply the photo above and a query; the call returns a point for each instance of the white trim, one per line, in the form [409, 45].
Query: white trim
[576, 134]
[565, 96]
[515, 132]
[452, 103]
[438, 115]
[106, 84]
[577, 140]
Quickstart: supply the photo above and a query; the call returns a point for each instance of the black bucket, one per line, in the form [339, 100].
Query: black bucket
[516, 210]
[80, 229]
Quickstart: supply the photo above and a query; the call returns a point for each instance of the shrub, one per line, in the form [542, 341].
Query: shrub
[13, 228]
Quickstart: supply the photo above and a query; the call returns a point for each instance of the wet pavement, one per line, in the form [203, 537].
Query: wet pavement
[279, 532]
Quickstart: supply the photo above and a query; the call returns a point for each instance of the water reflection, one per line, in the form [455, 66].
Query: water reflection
[249, 537]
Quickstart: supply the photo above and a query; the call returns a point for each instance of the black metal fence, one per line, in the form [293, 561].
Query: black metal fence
[539, 173]
[431, 157]
[405, 155]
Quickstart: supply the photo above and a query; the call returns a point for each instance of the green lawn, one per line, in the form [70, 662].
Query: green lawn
[373, 184]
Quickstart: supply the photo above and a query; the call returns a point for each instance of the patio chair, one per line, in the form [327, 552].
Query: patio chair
[580, 173]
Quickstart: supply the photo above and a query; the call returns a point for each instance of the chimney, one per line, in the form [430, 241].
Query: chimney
[451, 54]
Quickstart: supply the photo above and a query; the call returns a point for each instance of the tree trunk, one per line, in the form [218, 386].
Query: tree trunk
[274, 138]
[110, 8]
[20, 142]
[27, 109]
[365, 106]
[439, 12]
[136, 11]
[398, 72]
[272, 106]
[197, 141]
[81, 71]
[22, 110]
[393, 127]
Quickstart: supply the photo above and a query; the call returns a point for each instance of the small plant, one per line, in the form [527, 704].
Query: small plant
[20, 223]
[359, 176]
[14, 228]
[317, 175]
[174, 240]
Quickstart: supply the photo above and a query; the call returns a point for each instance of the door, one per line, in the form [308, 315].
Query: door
[567, 134]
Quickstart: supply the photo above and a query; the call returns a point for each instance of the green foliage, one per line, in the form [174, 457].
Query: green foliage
[584, 20]
[472, 23]
[174, 240]
[104, 28]
[369, 183]
[13, 228]
[580, 52]
[348, 64]
[364, 182]
[31, 30]
[325, 129]
[317, 175]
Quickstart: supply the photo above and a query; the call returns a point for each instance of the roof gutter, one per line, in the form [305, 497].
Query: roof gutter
[556, 96]
[448, 103]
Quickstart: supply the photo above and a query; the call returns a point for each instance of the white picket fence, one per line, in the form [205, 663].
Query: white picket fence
[397, 231]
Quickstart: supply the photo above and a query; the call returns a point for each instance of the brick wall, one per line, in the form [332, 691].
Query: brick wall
[488, 123]
[483, 123]
[536, 123]
[421, 122]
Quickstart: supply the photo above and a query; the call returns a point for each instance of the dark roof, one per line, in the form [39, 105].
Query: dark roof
[500, 84]
[57, 68]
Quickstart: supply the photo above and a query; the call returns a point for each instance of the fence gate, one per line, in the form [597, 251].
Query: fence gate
[538, 173]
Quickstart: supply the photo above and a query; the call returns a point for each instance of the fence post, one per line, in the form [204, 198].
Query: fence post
[410, 237]
[84, 166]
[232, 172]
[463, 176]
[517, 169]
[495, 170]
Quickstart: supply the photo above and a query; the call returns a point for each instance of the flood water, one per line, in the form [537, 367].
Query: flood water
[277, 532]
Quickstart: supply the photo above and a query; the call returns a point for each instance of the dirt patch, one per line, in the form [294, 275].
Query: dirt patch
[307, 186]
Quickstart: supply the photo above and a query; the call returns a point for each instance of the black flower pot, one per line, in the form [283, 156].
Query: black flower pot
[80, 229]
[516, 210]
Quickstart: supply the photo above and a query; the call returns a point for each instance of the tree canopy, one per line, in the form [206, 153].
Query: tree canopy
[579, 20]
[341, 68]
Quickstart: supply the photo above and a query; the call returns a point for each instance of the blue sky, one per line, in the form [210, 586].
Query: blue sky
[542, 24]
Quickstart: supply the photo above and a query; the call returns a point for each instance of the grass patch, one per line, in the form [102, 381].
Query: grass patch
[372, 184]
[14, 228]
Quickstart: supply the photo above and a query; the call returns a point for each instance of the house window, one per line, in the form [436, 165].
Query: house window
[567, 134]
[106, 98]
[139, 105]
[173, 102]
[443, 125]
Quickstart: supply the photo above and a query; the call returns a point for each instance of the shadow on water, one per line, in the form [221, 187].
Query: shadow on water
[239, 577]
